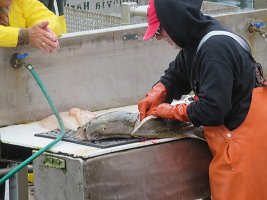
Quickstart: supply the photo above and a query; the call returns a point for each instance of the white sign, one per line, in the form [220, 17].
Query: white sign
[101, 6]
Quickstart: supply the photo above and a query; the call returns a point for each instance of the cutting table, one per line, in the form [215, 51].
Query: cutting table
[152, 169]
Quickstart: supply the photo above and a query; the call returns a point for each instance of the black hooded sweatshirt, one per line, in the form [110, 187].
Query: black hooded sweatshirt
[221, 73]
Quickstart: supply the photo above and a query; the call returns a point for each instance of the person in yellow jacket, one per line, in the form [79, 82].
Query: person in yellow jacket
[29, 22]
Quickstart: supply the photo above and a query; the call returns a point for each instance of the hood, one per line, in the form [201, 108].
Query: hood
[183, 20]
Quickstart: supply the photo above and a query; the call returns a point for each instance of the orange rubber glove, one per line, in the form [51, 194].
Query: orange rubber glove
[167, 111]
[156, 96]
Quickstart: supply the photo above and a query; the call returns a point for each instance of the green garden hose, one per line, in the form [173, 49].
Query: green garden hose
[62, 129]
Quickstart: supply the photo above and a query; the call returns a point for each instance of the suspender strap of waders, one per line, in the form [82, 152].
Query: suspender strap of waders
[260, 80]
[237, 38]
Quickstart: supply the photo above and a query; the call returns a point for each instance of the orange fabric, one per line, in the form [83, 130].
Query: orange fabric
[156, 96]
[238, 170]
[167, 111]
[179, 112]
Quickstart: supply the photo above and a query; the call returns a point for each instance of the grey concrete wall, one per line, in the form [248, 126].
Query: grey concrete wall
[97, 70]
[239, 23]
[259, 4]
[93, 70]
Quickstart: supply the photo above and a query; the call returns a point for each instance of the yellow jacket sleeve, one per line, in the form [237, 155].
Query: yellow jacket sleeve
[34, 12]
[24, 14]
[8, 36]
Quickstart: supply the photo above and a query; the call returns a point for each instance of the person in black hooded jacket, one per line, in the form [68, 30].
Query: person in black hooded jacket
[230, 91]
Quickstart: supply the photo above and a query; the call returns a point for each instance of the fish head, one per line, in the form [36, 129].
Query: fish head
[94, 133]
[81, 133]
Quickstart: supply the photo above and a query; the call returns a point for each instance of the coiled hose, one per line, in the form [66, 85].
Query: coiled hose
[62, 129]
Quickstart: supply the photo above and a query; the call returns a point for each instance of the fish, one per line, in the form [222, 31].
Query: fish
[72, 119]
[122, 124]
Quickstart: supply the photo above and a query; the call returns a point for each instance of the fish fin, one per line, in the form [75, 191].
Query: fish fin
[139, 123]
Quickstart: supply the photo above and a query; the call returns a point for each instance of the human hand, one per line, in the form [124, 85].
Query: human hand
[167, 111]
[4, 16]
[40, 36]
[156, 96]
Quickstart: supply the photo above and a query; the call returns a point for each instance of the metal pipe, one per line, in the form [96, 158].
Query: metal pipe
[5, 171]
[129, 9]
[139, 11]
